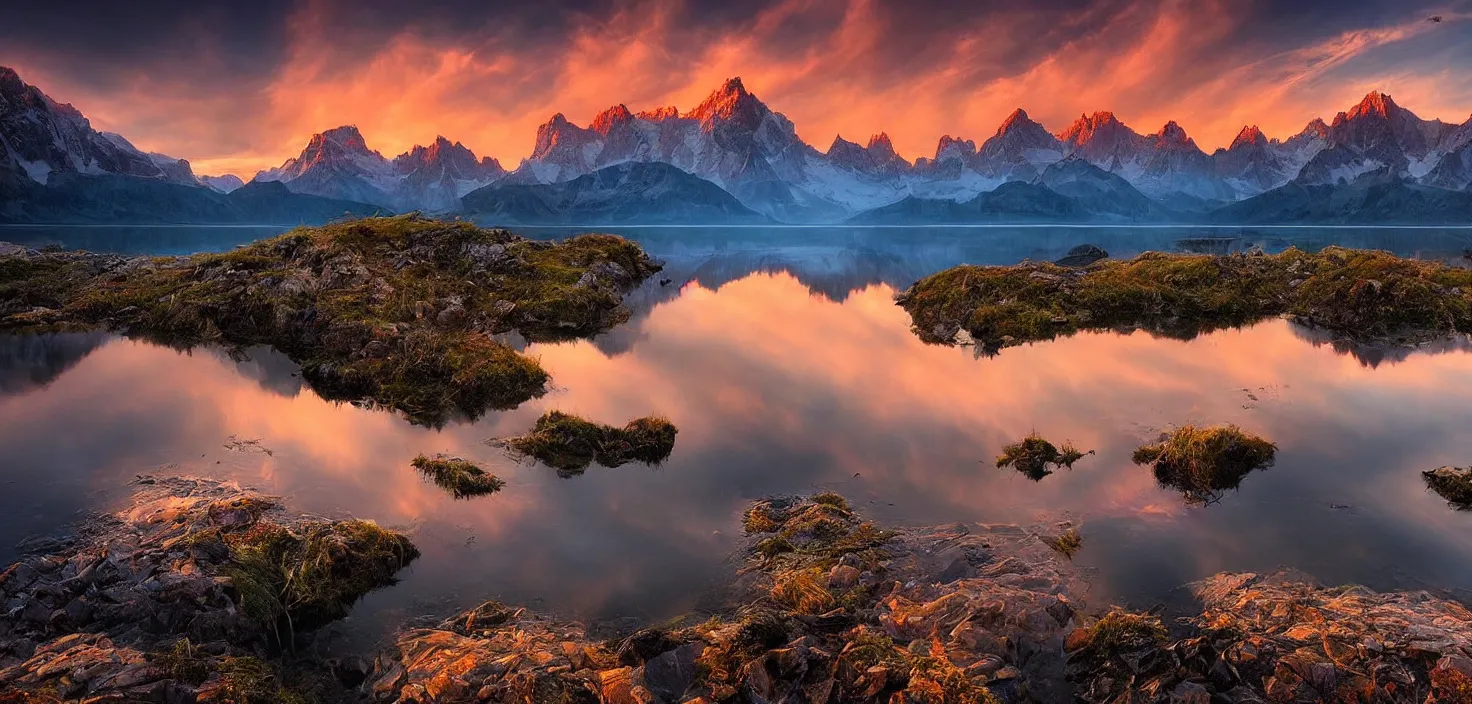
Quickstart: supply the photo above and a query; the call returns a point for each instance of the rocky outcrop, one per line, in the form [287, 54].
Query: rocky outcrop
[1283, 639]
[826, 608]
[169, 599]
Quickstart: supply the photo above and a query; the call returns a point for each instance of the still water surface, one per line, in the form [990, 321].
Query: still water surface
[787, 367]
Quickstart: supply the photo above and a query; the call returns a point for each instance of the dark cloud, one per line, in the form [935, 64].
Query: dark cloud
[209, 80]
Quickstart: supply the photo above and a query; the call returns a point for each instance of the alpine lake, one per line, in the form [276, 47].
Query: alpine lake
[783, 359]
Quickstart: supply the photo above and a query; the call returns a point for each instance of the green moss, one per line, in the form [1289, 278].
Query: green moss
[1356, 294]
[399, 311]
[569, 443]
[1033, 455]
[1202, 463]
[298, 579]
[462, 478]
[1451, 483]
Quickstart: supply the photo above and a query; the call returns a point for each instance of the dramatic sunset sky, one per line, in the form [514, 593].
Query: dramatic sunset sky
[236, 86]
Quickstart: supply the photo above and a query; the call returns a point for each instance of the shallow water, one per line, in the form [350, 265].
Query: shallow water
[787, 367]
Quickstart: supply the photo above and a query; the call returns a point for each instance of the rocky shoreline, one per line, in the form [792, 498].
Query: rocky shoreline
[148, 604]
[191, 593]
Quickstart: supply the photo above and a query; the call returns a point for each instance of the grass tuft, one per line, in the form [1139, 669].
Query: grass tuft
[462, 478]
[569, 443]
[294, 580]
[1203, 463]
[1066, 544]
[1033, 455]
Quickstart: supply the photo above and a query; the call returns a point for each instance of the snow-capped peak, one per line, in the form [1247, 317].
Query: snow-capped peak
[954, 148]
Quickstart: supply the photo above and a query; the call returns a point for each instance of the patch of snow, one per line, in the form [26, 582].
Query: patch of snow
[39, 171]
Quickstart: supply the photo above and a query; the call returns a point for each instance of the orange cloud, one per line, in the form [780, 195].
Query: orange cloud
[830, 65]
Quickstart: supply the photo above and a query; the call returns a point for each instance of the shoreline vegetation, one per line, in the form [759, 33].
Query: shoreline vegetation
[1362, 296]
[401, 312]
[823, 606]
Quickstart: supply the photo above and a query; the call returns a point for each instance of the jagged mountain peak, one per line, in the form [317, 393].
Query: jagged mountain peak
[607, 120]
[559, 132]
[949, 144]
[880, 141]
[1249, 136]
[659, 114]
[1017, 120]
[842, 144]
[1375, 103]
[1316, 128]
[1086, 127]
[731, 102]
[346, 136]
[1173, 131]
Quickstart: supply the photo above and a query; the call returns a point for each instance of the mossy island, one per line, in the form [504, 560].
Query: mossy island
[570, 444]
[1356, 295]
[462, 478]
[402, 312]
[1203, 463]
[1033, 455]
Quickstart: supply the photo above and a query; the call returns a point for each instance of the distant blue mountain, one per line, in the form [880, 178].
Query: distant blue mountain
[629, 193]
[1377, 199]
[77, 198]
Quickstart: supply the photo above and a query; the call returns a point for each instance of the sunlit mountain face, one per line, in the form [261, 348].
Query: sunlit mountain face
[241, 90]
[1130, 112]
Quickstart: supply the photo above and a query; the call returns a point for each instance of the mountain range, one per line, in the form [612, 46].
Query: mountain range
[733, 159]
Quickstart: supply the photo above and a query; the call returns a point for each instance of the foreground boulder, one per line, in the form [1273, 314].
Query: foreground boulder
[179, 596]
[399, 312]
[827, 608]
[1283, 639]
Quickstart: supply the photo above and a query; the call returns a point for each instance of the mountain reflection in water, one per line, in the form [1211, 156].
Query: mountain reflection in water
[788, 370]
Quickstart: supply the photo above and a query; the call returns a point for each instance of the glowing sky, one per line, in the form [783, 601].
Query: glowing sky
[241, 86]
